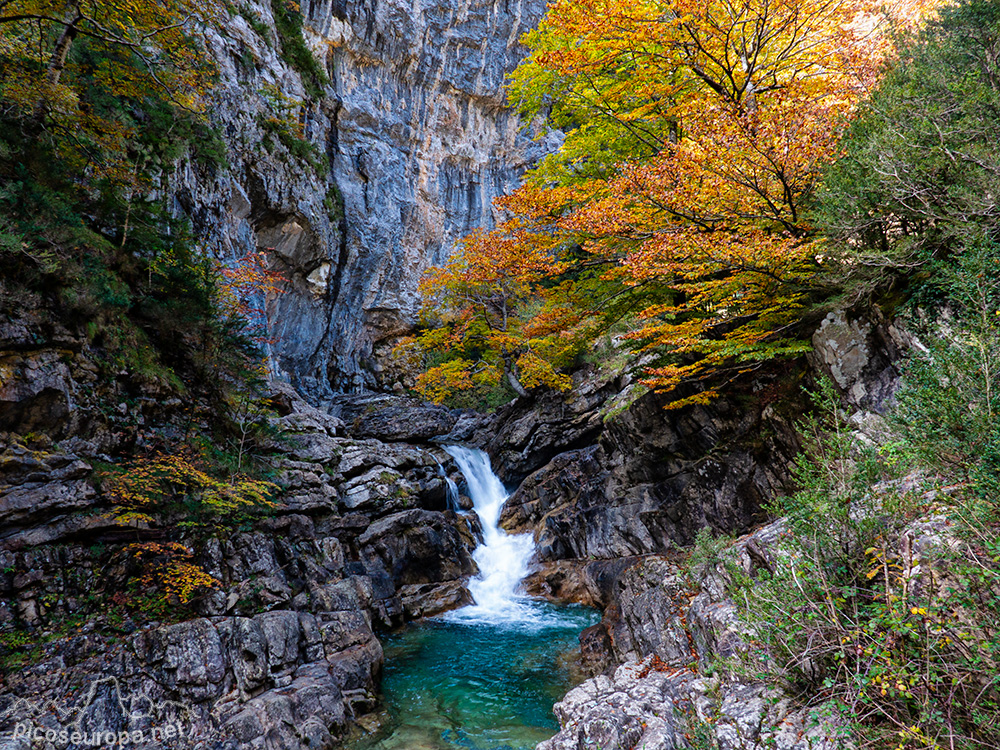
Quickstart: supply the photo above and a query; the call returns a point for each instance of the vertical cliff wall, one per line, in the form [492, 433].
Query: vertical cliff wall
[411, 142]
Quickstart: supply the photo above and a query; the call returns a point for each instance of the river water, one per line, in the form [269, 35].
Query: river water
[483, 677]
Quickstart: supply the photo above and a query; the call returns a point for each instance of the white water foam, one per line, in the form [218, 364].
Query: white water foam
[451, 490]
[502, 558]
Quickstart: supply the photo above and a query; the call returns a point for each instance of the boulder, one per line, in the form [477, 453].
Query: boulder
[418, 546]
[429, 599]
[646, 704]
[393, 418]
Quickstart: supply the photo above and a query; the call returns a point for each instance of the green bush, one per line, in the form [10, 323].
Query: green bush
[921, 159]
[288, 24]
[949, 405]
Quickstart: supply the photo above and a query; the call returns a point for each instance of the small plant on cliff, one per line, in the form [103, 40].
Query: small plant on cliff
[149, 491]
[168, 568]
[288, 22]
[167, 492]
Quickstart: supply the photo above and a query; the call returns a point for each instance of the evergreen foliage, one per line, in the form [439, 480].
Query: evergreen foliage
[91, 126]
[288, 23]
[921, 165]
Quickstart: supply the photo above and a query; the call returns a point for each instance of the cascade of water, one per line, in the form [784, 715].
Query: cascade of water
[451, 490]
[502, 558]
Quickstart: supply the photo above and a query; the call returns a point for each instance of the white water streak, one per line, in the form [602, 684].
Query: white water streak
[502, 558]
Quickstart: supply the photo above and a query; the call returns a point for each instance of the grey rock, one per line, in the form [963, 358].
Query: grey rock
[418, 140]
[246, 645]
[417, 546]
[859, 353]
[392, 418]
[36, 392]
[379, 486]
[283, 634]
[429, 599]
[646, 706]
[189, 658]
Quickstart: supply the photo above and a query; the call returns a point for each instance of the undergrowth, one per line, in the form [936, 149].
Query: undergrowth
[885, 595]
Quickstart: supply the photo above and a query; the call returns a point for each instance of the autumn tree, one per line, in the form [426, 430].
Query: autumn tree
[695, 131]
[59, 55]
[480, 298]
[177, 490]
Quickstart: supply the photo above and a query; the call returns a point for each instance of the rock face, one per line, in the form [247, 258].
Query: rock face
[391, 418]
[281, 679]
[285, 654]
[859, 355]
[605, 474]
[410, 143]
[666, 631]
[647, 704]
[650, 479]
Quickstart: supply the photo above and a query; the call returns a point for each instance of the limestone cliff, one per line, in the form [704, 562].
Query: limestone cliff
[357, 184]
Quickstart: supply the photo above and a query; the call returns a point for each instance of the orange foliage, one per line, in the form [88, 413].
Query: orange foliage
[243, 289]
[148, 484]
[720, 115]
[479, 300]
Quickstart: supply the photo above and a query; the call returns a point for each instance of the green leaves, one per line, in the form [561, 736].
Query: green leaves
[878, 603]
[921, 161]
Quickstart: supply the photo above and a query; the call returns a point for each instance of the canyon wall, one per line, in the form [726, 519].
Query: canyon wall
[410, 143]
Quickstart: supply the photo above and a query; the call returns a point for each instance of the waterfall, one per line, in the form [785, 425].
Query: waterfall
[502, 558]
[451, 490]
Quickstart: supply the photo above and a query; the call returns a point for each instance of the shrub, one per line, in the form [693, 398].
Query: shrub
[149, 488]
[288, 24]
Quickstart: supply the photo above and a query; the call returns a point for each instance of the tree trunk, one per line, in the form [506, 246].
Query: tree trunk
[61, 51]
[518, 388]
[510, 371]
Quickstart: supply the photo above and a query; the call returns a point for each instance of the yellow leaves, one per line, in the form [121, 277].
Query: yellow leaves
[535, 371]
[436, 338]
[442, 381]
[169, 566]
[148, 484]
[134, 518]
[147, 487]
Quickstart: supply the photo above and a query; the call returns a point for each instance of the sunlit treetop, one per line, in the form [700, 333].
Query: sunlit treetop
[695, 133]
